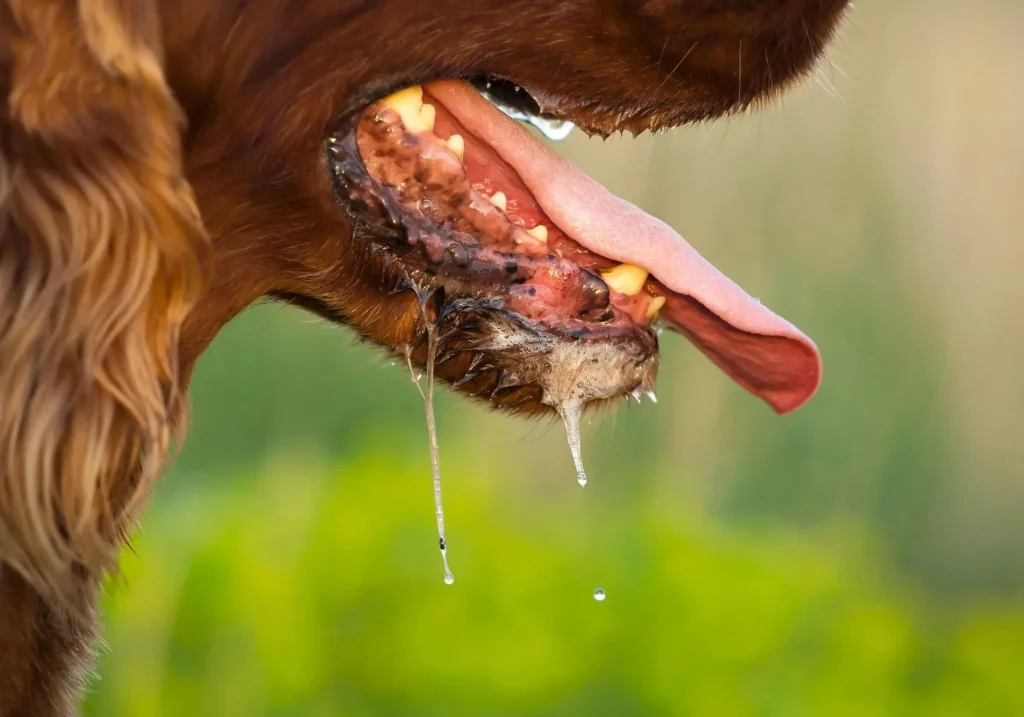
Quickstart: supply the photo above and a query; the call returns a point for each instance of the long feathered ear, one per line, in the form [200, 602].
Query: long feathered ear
[101, 252]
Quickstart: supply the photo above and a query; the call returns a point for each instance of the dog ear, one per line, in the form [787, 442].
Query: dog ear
[101, 255]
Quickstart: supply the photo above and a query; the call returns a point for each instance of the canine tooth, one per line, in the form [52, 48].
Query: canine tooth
[408, 103]
[499, 200]
[626, 279]
[457, 145]
[539, 232]
[655, 306]
[410, 96]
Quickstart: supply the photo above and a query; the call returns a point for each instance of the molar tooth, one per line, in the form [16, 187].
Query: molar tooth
[539, 232]
[626, 279]
[499, 200]
[655, 306]
[457, 145]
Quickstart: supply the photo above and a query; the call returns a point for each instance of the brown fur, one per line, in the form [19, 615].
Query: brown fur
[103, 254]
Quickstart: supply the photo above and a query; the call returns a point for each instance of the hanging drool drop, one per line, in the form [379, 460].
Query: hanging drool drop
[570, 413]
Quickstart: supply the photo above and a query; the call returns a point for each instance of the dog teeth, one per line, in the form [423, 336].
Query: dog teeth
[499, 200]
[427, 116]
[457, 145]
[539, 232]
[408, 103]
[409, 97]
[655, 306]
[626, 279]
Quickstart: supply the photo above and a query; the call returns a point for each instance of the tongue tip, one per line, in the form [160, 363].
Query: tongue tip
[789, 401]
[807, 375]
[769, 357]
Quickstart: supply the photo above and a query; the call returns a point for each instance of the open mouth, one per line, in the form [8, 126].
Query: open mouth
[546, 279]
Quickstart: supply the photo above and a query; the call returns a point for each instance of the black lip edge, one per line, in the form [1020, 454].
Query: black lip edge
[507, 99]
[370, 93]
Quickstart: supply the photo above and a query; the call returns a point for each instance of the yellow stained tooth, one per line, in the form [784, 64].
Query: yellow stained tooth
[539, 232]
[408, 103]
[457, 145]
[498, 199]
[409, 96]
[655, 306]
[626, 279]
[427, 116]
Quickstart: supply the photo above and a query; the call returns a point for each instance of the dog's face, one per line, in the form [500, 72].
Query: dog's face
[343, 157]
[321, 154]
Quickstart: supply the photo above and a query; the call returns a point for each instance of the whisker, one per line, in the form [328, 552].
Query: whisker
[678, 65]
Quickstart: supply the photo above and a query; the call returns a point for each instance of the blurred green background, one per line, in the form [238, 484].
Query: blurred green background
[860, 557]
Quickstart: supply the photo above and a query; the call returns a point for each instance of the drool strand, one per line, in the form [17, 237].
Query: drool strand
[435, 460]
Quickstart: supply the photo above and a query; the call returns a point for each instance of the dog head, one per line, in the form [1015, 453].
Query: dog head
[347, 156]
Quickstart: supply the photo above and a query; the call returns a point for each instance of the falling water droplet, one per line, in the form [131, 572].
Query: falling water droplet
[570, 413]
[599, 595]
[435, 459]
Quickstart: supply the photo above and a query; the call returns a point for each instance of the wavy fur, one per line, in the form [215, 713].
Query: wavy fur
[100, 245]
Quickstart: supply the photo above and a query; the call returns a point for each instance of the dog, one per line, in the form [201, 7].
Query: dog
[165, 164]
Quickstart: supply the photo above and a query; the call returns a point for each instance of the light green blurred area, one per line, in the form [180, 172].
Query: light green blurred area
[860, 557]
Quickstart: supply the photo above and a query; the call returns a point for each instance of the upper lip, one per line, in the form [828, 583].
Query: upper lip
[522, 106]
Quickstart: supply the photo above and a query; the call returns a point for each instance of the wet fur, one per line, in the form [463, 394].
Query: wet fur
[133, 130]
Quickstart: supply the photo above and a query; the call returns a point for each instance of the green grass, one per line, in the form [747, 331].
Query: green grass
[321, 593]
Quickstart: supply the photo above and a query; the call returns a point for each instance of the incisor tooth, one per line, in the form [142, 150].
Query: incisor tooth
[655, 306]
[626, 279]
[498, 199]
[539, 232]
[457, 145]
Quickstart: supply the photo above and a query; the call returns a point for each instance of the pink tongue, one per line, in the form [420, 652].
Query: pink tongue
[763, 352]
